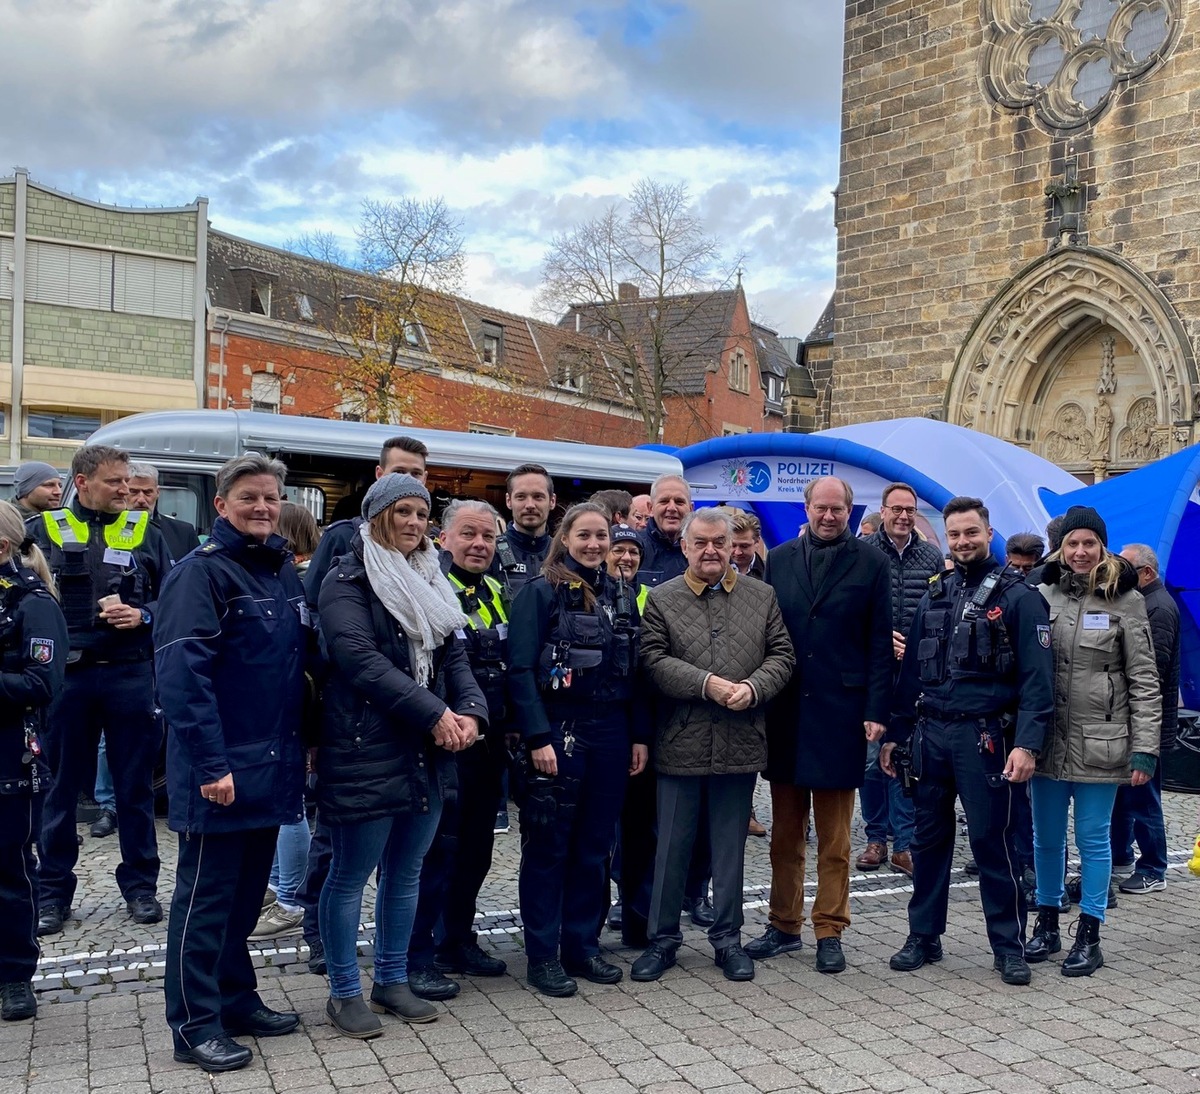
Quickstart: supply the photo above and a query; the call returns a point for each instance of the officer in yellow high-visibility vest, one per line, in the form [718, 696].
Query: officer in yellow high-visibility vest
[109, 564]
[458, 862]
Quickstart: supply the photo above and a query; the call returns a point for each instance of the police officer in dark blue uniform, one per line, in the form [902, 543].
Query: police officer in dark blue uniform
[232, 646]
[977, 682]
[457, 864]
[521, 550]
[573, 640]
[33, 655]
[109, 563]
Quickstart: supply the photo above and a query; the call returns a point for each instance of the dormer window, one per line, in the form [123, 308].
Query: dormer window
[492, 343]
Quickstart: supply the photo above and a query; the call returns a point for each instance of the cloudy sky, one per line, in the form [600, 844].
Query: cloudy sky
[527, 116]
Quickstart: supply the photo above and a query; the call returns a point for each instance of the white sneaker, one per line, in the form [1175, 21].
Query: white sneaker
[276, 920]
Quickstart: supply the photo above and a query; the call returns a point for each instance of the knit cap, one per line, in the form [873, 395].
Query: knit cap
[1084, 517]
[389, 489]
[29, 476]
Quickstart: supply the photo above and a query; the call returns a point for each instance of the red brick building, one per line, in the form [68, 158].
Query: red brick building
[722, 373]
[290, 335]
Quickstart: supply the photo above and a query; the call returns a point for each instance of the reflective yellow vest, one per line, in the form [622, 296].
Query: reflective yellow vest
[63, 526]
[489, 613]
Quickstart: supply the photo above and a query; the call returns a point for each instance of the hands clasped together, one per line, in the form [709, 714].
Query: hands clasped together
[726, 693]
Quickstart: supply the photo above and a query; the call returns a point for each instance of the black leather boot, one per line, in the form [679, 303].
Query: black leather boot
[1046, 937]
[1085, 956]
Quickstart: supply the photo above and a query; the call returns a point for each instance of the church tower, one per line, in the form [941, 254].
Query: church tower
[1019, 223]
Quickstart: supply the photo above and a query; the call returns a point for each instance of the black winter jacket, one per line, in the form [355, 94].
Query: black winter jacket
[661, 559]
[377, 757]
[910, 574]
[1163, 613]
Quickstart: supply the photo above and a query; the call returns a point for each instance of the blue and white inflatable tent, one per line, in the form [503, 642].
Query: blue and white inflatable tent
[1158, 504]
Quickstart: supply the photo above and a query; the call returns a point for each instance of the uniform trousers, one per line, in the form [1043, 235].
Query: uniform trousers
[118, 699]
[832, 811]
[715, 808]
[219, 885]
[20, 819]
[458, 862]
[564, 866]
[951, 763]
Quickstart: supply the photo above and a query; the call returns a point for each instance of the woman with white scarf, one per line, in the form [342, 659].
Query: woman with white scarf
[399, 701]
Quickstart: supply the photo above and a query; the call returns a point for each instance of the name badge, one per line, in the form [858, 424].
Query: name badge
[460, 634]
[305, 615]
[502, 630]
[1095, 621]
[115, 557]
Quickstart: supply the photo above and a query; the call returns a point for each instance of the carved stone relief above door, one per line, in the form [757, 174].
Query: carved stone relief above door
[1081, 359]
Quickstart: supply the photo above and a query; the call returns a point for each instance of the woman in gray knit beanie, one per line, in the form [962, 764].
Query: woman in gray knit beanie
[399, 700]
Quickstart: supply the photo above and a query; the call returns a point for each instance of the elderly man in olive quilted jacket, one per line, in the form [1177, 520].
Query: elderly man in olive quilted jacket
[716, 649]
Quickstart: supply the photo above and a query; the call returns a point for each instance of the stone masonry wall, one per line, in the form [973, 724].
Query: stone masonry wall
[106, 341]
[61, 218]
[942, 197]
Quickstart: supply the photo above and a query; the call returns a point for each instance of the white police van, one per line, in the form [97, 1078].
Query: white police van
[331, 462]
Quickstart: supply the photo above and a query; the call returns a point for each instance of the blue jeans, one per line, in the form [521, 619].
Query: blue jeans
[1138, 815]
[397, 845]
[885, 809]
[1093, 813]
[291, 860]
[104, 794]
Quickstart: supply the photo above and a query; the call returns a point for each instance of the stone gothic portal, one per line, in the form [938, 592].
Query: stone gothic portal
[1082, 360]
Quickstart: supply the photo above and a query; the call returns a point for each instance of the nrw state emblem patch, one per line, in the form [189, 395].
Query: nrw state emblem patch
[1044, 635]
[42, 650]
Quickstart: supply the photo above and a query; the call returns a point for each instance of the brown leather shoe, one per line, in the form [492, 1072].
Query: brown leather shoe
[756, 827]
[902, 862]
[873, 857]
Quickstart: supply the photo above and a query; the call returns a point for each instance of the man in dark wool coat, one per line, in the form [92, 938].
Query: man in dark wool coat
[833, 592]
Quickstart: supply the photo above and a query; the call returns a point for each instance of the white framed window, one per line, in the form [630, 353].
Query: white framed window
[739, 372]
[260, 298]
[304, 307]
[493, 430]
[266, 392]
[728, 429]
[492, 343]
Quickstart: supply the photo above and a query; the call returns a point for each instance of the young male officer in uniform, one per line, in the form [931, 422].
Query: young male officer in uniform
[99, 550]
[522, 549]
[977, 682]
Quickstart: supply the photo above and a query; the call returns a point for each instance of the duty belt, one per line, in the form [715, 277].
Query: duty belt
[926, 709]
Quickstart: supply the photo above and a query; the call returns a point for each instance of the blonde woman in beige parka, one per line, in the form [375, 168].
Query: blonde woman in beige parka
[1105, 731]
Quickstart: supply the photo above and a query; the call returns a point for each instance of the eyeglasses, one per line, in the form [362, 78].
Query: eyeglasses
[624, 549]
[821, 510]
[902, 510]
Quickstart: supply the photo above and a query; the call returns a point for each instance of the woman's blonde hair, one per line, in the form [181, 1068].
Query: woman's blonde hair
[383, 531]
[12, 529]
[1103, 578]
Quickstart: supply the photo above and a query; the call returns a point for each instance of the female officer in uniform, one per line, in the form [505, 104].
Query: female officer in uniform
[573, 649]
[33, 655]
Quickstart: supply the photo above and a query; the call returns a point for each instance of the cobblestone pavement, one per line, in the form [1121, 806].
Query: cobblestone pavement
[952, 1027]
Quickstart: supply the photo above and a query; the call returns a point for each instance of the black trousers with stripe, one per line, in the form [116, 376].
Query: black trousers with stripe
[219, 888]
[20, 822]
[950, 763]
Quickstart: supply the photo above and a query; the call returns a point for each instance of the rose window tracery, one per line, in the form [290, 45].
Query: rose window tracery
[1066, 58]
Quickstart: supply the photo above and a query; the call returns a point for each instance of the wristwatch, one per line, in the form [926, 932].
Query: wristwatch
[146, 617]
